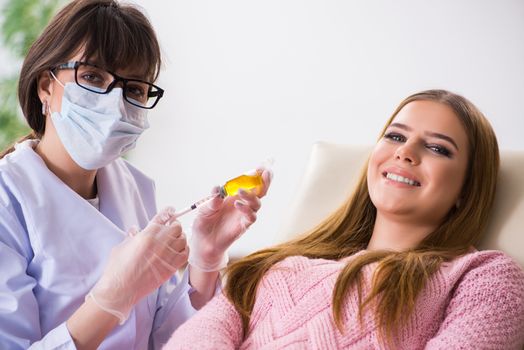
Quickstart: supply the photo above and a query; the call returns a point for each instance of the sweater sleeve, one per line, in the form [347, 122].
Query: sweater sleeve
[486, 310]
[216, 326]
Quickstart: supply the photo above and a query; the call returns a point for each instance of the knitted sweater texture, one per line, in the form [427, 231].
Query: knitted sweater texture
[473, 302]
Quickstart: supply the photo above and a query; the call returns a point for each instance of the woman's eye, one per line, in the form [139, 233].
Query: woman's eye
[136, 92]
[393, 136]
[92, 77]
[439, 150]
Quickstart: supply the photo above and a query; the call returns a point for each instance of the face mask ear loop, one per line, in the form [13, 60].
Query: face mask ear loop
[54, 77]
[46, 108]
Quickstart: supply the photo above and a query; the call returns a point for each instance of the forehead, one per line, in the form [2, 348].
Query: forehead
[129, 71]
[433, 117]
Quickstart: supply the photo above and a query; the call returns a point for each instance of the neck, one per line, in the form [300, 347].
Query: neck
[60, 163]
[397, 234]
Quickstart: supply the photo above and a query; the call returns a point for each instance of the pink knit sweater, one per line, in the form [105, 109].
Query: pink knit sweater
[473, 302]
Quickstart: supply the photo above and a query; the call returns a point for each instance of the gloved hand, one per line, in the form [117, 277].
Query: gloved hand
[140, 264]
[220, 222]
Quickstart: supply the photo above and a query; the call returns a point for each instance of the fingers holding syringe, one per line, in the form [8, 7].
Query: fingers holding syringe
[170, 243]
[167, 230]
[248, 204]
[170, 258]
[248, 199]
[267, 176]
[213, 205]
[175, 251]
[164, 216]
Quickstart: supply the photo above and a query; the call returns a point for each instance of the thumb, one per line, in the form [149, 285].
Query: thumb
[163, 216]
[214, 204]
[133, 230]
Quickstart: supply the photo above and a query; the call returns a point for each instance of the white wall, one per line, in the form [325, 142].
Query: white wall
[250, 79]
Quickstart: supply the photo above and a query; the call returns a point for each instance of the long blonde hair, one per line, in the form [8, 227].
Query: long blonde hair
[399, 276]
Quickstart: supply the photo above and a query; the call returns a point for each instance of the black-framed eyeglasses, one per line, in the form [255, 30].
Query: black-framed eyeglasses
[95, 79]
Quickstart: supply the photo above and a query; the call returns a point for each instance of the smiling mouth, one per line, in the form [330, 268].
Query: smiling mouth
[401, 179]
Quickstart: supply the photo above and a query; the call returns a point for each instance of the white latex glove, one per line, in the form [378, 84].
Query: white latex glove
[140, 264]
[220, 222]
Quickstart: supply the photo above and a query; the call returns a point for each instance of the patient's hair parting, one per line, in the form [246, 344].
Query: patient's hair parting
[399, 276]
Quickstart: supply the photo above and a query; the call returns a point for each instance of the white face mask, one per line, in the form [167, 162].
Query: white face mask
[96, 129]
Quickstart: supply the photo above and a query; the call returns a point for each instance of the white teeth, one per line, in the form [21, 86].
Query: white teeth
[402, 179]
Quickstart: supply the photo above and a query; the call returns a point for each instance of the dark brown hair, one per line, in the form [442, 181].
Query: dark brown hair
[399, 276]
[113, 35]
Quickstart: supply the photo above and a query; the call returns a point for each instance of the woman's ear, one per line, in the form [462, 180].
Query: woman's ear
[45, 87]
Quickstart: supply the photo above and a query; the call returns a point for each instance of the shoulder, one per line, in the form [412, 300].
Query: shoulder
[12, 178]
[20, 167]
[484, 303]
[10, 161]
[486, 261]
[21, 151]
[487, 275]
[13, 230]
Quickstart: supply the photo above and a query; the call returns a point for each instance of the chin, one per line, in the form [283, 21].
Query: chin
[395, 207]
[393, 202]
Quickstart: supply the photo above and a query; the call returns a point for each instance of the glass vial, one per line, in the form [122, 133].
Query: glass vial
[246, 182]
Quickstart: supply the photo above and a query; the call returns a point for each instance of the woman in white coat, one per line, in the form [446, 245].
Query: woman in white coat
[86, 261]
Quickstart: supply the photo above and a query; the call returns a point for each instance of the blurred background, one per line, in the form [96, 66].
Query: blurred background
[247, 80]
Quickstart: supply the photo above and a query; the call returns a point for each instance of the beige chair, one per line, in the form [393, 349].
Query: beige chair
[333, 170]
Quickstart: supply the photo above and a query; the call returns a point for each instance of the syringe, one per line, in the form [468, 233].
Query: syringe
[230, 188]
[195, 205]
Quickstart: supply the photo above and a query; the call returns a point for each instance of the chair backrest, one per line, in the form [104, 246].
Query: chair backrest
[333, 170]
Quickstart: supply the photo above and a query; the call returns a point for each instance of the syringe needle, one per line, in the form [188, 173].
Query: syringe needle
[195, 205]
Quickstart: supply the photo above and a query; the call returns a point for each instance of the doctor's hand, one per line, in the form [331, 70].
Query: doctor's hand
[140, 264]
[222, 221]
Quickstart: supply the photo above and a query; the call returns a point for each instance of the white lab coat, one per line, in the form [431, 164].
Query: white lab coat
[54, 246]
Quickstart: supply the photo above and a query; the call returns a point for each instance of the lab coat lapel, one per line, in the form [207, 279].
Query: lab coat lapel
[120, 200]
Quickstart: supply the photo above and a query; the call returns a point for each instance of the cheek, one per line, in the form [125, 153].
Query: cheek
[55, 102]
[449, 181]
[380, 154]
[377, 157]
[372, 166]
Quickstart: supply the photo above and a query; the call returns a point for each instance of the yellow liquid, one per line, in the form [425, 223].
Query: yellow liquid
[246, 182]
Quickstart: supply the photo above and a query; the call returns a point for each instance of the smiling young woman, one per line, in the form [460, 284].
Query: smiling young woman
[415, 174]
[394, 267]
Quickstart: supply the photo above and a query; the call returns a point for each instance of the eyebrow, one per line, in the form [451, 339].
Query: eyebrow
[429, 133]
[95, 62]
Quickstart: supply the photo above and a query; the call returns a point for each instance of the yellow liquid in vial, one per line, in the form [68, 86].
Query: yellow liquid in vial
[246, 182]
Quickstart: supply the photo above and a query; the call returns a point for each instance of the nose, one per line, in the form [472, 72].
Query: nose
[407, 153]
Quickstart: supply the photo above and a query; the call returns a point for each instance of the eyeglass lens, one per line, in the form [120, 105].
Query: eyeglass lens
[99, 80]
